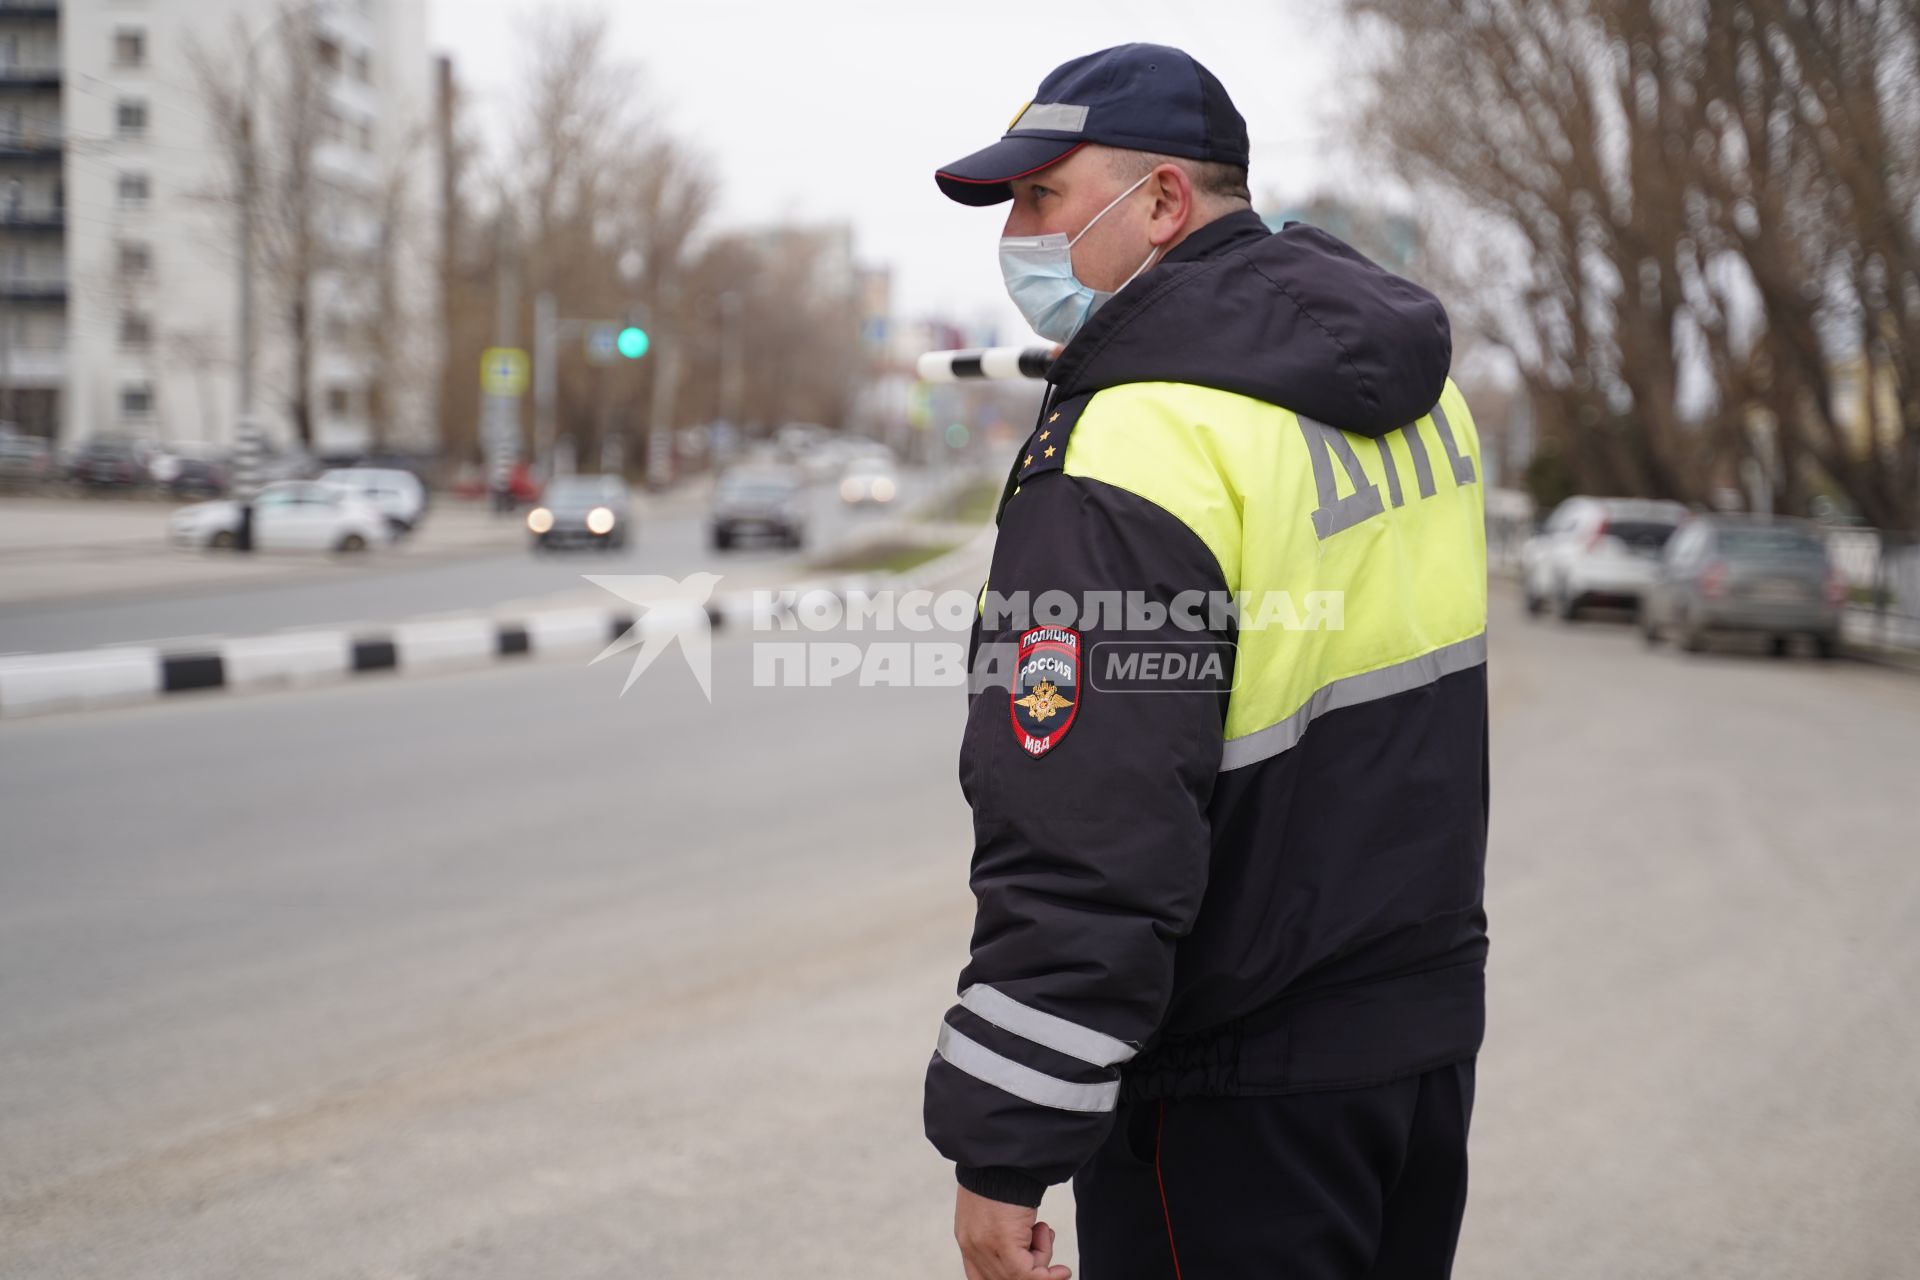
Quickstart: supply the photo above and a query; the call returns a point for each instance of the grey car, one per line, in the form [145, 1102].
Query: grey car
[1728, 573]
[760, 501]
[582, 511]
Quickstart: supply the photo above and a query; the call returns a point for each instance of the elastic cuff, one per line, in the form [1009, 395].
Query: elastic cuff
[1009, 1186]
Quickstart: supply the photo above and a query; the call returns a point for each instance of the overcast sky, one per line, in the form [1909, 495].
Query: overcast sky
[840, 110]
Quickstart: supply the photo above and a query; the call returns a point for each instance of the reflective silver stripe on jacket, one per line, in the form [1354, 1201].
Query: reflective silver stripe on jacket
[1070, 1038]
[1023, 1082]
[1265, 743]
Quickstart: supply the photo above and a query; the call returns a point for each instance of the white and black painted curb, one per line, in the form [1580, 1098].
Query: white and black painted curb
[35, 684]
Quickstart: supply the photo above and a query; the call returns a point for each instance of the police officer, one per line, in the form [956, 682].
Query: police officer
[1228, 962]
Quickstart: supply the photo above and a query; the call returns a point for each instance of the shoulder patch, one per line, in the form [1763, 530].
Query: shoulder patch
[1046, 688]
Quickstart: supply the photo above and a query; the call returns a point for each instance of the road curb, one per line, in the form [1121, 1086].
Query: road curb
[46, 683]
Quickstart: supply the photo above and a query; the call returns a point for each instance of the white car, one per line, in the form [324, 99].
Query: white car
[869, 478]
[1596, 551]
[399, 494]
[293, 515]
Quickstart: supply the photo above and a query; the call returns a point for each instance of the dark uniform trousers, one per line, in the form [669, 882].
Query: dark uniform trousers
[1348, 1184]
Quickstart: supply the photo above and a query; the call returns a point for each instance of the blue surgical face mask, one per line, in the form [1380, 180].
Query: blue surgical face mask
[1040, 279]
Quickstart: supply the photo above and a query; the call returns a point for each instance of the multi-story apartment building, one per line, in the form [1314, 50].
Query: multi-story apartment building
[120, 227]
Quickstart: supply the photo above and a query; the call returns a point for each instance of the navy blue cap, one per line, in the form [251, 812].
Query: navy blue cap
[1139, 97]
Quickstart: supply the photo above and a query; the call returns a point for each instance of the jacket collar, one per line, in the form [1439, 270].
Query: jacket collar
[1220, 235]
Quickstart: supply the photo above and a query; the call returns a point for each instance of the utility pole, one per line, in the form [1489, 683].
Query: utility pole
[246, 430]
[500, 424]
[730, 364]
[545, 322]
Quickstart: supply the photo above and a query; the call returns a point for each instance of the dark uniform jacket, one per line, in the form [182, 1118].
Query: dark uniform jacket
[1263, 874]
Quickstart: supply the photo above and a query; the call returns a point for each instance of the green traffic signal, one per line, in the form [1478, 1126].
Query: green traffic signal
[632, 342]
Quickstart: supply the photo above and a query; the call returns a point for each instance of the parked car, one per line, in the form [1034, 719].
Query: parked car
[1594, 551]
[764, 502]
[289, 515]
[591, 511]
[399, 494]
[189, 470]
[869, 480]
[107, 462]
[1730, 573]
[198, 478]
[24, 459]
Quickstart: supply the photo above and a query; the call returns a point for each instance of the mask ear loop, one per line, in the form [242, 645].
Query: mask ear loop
[1103, 213]
[1141, 268]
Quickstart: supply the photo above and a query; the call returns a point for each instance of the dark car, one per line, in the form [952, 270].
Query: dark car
[763, 502]
[1724, 574]
[197, 478]
[593, 511]
[108, 464]
[24, 459]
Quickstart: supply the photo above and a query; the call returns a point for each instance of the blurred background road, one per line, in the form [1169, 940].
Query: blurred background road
[498, 975]
[129, 586]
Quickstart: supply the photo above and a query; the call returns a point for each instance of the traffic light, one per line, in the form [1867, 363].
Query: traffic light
[632, 342]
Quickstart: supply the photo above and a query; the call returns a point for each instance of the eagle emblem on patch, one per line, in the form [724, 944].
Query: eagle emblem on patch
[1046, 688]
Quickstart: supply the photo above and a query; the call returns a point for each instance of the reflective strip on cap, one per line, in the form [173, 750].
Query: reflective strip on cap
[1060, 116]
[1022, 1082]
[1057, 1034]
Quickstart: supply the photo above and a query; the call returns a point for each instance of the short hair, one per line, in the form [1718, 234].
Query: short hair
[1211, 178]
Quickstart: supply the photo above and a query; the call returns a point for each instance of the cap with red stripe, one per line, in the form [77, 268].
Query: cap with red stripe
[1139, 97]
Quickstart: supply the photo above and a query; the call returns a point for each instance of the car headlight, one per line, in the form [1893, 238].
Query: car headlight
[883, 489]
[599, 520]
[850, 490]
[539, 520]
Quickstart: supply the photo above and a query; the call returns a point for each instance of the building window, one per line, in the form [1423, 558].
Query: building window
[136, 331]
[136, 401]
[135, 190]
[129, 48]
[363, 67]
[326, 52]
[136, 260]
[340, 402]
[131, 118]
[366, 137]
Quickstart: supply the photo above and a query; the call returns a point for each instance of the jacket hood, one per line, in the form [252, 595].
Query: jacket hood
[1296, 318]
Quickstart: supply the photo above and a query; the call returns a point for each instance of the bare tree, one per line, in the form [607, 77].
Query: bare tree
[270, 126]
[1683, 217]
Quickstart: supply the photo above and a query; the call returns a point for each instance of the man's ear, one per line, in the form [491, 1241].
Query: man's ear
[1172, 204]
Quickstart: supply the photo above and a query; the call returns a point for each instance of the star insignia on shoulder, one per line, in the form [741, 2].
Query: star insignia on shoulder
[1028, 462]
[1049, 451]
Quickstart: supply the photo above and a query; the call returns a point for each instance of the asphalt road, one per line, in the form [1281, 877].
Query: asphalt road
[672, 540]
[500, 975]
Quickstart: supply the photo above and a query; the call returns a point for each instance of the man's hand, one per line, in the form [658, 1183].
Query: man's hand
[1002, 1241]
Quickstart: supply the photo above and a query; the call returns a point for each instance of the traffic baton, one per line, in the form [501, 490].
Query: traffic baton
[989, 362]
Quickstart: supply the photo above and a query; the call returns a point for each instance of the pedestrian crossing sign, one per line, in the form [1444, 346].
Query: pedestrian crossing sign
[503, 371]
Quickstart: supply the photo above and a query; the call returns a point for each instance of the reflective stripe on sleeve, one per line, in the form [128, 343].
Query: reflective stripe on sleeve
[1022, 1082]
[1058, 1034]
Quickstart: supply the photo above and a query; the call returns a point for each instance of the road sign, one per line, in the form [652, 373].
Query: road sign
[503, 371]
[603, 343]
